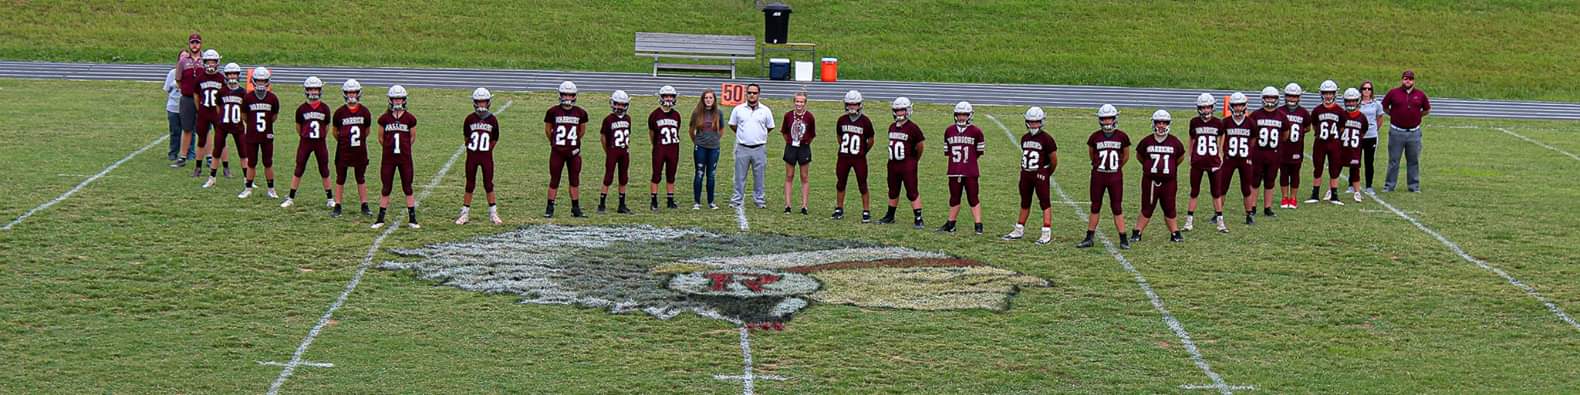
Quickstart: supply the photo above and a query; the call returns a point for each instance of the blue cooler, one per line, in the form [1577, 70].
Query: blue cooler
[779, 69]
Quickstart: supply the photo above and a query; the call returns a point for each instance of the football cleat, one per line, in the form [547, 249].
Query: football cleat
[1176, 238]
[1223, 227]
[377, 225]
[1124, 244]
[948, 227]
[866, 216]
[464, 217]
[1250, 219]
[548, 211]
[1085, 243]
[286, 203]
[887, 219]
[1357, 197]
[273, 195]
[178, 163]
[979, 228]
[329, 203]
[576, 212]
[787, 209]
[244, 193]
[367, 211]
[1016, 234]
[653, 204]
[803, 211]
[920, 224]
[494, 217]
[208, 184]
[622, 209]
[1335, 199]
[671, 204]
[335, 212]
[197, 172]
[1135, 235]
[601, 208]
[1268, 212]
[839, 213]
[413, 225]
[1190, 222]
[1047, 236]
[1293, 203]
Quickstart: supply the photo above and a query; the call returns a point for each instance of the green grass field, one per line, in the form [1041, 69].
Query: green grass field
[143, 282]
[1493, 50]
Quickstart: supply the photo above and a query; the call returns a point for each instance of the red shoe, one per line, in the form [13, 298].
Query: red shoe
[1294, 203]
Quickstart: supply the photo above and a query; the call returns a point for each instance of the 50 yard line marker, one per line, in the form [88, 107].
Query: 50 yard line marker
[84, 183]
[1174, 325]
[362, 269]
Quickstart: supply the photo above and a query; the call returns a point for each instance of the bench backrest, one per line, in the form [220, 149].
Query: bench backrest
[701, 44]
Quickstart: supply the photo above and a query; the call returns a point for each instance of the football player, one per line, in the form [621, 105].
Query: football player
[663, 127]
[1265, 160]
[1326, 119]
[312, 120]
[1108, 148]
[563, 125]
[800, 128]
[1160, 160]
[230, 121]
[262, 107]
[855, 139]
[1238, 132]
[905, 148]
[211, 86]
[1290, 152]
[352, 122]
[398, 134]
[1354, 129]
[1039, 157]
[480, 132]
[1206, 142]
[963, 145]
[616, 137]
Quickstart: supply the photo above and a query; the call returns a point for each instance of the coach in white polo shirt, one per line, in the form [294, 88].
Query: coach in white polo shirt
[751, 121]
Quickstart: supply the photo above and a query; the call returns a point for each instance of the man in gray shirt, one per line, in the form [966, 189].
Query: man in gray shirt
[751, 121]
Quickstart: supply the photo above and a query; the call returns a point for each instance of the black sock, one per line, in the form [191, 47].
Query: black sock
[271, 184]
[225, 164]
[622, 198]
[1134, 233]
[291, 195]
[411, 214]
[890, 214]
[329, 194]
[576, 204]
[212, 172]
[551, 202]
[381, 215]
[669, 197]
[364, 206]
[1089, 234]
[491, 205]
[249, 184]
[1190, 213]
[917, 212]
[602, 197]
[1175, 234]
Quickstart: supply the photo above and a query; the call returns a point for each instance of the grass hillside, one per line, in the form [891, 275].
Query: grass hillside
[1494, 50]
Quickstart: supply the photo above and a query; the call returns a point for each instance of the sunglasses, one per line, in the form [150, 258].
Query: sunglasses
[752, 93]
[1366, 88]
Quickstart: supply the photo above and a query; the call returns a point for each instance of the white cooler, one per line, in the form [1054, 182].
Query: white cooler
[803, 71]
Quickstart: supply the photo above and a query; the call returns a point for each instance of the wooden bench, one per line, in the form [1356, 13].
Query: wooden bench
[695, 47]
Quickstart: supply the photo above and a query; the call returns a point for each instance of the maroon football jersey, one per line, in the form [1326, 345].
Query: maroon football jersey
[798, 129]
[1296, 123]
[1325, 121]
[1354, 128]
[616, 132]
[1160, 159]
[1238, 136]
[1269, 130]
[351, 127]
[230, 114]
[397, 132]
[1204, 134]
[903, 142]
[1036, 152]
[260, 113]
[855, 135]
[1108, 146]
[481, 134]
[663, 127]
[567, 134]
[963, 146]
[210, 88]
[312, 121]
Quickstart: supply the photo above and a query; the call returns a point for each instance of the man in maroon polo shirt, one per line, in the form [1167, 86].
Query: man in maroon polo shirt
[1406, 106]
[189, 67]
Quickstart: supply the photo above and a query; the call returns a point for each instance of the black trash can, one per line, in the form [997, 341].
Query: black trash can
[776, 23]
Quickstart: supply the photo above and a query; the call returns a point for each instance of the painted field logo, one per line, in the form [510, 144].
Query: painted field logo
[757, 280]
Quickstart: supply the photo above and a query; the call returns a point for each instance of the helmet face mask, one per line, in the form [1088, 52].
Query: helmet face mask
[1269, 102]
[233, 80]
[481, 105]
[853, 109]
[902, 113]
[962, 119]
[1108, 123]
[1033, 126]
[618, 108]
[1292, 101]
[398, 104]
[666, 101]
[567, 99]
[313, 94]
[1204, 111]
[1237, 109]
[1352, 104]
[260, 87]
[211, 66]
[352, 97]
[1160, 128]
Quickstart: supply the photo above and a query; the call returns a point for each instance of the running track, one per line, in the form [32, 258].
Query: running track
[642, 84]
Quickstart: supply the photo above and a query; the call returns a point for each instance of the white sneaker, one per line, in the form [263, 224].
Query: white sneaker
[1190, 222]
[1357, 197]
[244, 193]
[1223, 227]
[696, 206]
[273, 195]
[1047, 236]
[712, 206]
[1312, 201]
[465, 216]
[494, 217]
[413, 225]
[329, 204]
[286, 203]
[377, 225]
[1017, 234]
[208, 184]
[1337, 202]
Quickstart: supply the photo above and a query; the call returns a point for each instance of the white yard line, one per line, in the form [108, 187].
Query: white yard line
[362, 269]
[84, 183]
[1141, 281]
[1543, 145]
[1530, 291]
[740, 217]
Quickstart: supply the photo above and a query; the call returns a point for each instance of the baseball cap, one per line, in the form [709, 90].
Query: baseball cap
[195, 38]
[1409, 74]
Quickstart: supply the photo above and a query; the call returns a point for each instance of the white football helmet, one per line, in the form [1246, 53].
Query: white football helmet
[619, 101]
[1161, 116]
[1205, 100]
[261, 74]
[1035, 114]
[901, 103]
[666, 96]
[853, 97]
[963, 108]
[1269, 97]
[351, 86]
[1293, 89]
[481, 94]
[260, 81]
[314, 87]
[1329, 86]
[397, 92]
[210, 55]
[567, 88]
[1352, 99]
[1238, 99]
[232, 75]
[1108, 111]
